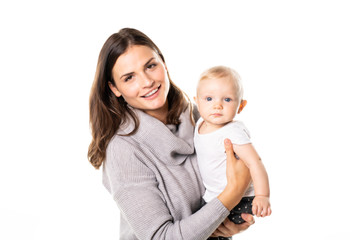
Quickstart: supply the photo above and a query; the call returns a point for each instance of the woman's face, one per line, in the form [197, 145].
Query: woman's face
[141, 78]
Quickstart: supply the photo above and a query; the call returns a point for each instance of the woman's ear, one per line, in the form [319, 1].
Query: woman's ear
[114, 89]
[242, 105]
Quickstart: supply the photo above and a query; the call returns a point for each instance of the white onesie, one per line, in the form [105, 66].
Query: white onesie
[211, 156]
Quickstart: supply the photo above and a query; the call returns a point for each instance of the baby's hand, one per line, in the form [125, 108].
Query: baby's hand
[261, 206]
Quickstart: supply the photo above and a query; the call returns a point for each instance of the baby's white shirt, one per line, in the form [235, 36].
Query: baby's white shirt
[211, 156]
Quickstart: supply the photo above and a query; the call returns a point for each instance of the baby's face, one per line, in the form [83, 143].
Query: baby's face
[218, 101]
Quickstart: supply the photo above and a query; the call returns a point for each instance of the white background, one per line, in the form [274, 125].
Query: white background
[299, 61]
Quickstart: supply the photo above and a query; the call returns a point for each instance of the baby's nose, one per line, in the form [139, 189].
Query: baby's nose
[217, 106]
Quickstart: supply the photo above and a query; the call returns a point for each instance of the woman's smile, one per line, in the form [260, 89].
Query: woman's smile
[141, 78]
[152, 94]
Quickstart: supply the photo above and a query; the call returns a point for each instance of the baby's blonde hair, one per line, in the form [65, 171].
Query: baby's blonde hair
[222, 72]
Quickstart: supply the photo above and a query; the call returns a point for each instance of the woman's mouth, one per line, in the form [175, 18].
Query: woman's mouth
[151, 93]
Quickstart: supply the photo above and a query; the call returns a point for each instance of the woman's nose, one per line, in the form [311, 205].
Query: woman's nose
[147, 81]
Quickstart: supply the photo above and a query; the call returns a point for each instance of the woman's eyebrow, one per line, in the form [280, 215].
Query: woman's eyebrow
[148, 61]
[130, 73]
[127, 74]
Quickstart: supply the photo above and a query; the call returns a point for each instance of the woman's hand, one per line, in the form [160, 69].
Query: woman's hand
[228, 228]
[238, 178]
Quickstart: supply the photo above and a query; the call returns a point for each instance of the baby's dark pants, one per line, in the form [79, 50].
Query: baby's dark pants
[244, 206]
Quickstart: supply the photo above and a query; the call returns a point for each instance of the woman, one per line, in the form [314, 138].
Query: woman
[143, 124]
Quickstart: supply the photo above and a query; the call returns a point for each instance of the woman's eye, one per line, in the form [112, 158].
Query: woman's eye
[151, 66]
[128, 78]
[227, 99]
[208, 99]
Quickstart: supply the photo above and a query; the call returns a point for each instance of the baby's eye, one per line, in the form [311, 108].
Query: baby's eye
[227, 99]
[208, 99]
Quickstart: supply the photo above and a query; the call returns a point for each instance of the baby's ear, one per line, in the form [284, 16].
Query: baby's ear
[242, 105]
[195, 100]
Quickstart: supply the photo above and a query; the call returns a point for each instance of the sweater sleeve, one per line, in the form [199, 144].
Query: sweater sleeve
[135, 190]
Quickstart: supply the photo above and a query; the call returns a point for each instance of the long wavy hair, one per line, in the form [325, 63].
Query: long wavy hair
[108, 113]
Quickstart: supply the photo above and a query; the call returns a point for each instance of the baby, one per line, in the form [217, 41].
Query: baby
[219, 98]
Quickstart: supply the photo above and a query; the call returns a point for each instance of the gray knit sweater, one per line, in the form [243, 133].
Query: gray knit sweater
[153, 177]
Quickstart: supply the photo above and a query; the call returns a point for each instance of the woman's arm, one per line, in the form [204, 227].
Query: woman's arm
[135, 190]
[229, 228]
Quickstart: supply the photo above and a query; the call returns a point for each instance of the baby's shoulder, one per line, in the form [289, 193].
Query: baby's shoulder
[237, 128]
[235, 124]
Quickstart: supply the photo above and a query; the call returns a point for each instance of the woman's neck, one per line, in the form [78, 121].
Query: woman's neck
[160, 114]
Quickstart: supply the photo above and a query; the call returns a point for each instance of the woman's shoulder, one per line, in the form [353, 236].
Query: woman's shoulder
[121, 155]
[119, 147]
[195, 112]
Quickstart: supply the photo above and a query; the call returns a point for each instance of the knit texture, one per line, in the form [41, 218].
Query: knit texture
[154, 178]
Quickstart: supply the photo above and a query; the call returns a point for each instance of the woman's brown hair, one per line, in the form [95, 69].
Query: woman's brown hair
[108, 112]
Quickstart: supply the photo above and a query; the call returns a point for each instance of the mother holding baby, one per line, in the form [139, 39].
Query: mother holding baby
[142, 128]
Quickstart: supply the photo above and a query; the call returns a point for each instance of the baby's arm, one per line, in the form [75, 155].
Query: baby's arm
[261, 203]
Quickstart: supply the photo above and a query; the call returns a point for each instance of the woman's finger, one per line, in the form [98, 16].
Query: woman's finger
[229, 150]
[222, 231]
[248, 218]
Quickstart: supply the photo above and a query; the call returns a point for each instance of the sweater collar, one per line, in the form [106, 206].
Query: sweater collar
[172, 143]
